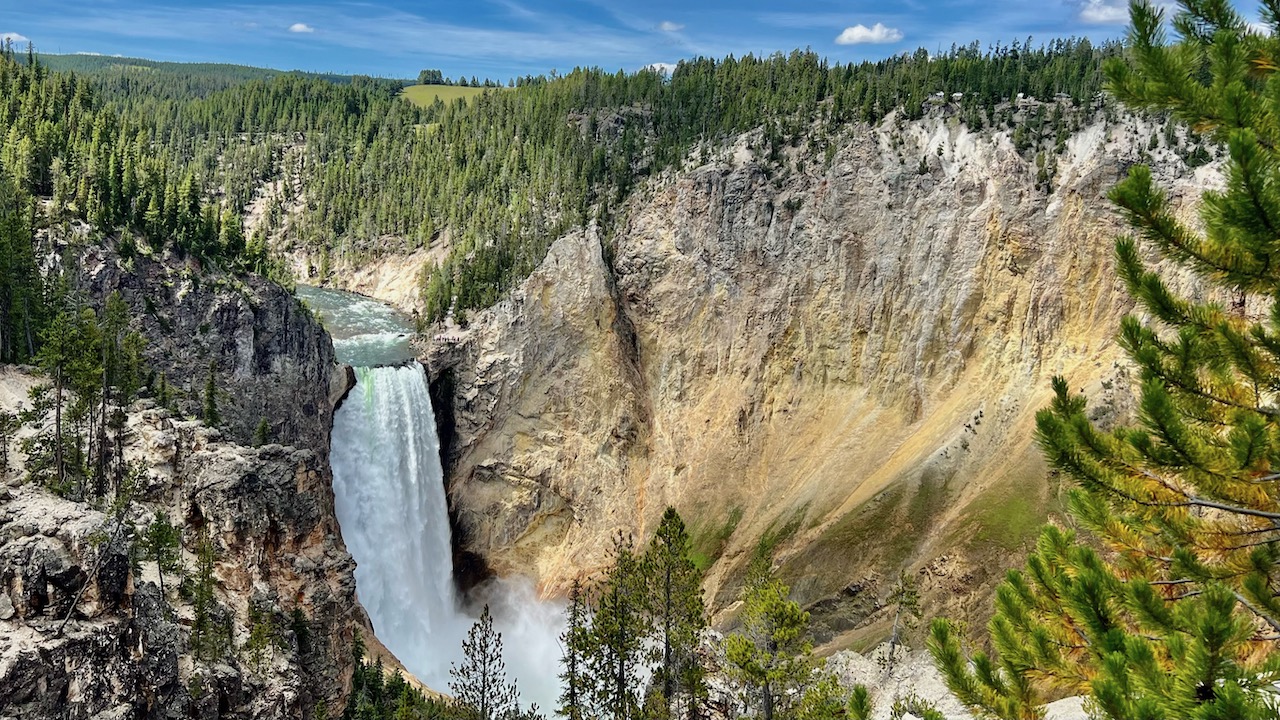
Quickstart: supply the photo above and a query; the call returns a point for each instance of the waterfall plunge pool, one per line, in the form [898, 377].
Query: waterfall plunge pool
[388, 488]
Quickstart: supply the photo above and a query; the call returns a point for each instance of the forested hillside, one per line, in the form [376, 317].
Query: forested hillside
[68, 158]
[214, 75]
[493, 181]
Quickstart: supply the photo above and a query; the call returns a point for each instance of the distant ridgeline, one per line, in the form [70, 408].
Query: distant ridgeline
[158, 76]
[509, 170]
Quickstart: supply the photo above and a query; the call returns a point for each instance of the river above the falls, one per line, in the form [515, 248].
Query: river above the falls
[365, 332]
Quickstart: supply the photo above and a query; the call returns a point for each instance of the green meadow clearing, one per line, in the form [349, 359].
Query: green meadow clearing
[424, 95]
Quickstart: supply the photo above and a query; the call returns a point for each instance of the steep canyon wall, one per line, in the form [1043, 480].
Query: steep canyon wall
[88, 628]
[838, 362]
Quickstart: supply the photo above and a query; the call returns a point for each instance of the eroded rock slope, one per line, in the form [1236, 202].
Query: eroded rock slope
[263, 627]
[835, 362]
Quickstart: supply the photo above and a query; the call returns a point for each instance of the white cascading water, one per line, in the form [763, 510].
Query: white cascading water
[389, 491]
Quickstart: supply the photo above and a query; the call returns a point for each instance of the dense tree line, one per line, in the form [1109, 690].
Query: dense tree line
[66, 157]
[504, 174]
[206, 76]
[637, 647]
[95, 165]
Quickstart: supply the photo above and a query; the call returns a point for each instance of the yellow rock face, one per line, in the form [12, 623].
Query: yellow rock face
[840, 363]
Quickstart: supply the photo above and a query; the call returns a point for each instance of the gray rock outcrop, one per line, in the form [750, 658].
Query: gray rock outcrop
[89, 627]
[85, 630]
[271, 359]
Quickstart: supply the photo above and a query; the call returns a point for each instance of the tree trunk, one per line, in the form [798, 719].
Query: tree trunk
[668, 677]
[893, 638]
[26, 320]
[6, 329]
[100, 469]
[57, 425]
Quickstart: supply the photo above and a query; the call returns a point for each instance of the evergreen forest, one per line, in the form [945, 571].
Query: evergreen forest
[181, 152]
[1161, 601]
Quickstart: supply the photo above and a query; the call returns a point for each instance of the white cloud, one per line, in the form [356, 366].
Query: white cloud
[301, 28]
[876, 34]
[14, 38]
[1105, 12]
[668, 26]
[661, 67]
[1116, 12]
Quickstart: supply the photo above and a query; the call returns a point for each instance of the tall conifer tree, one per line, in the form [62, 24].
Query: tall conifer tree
[576, 641]
[618, 631]
[676, 611]
[771, 656]
[1177, 615]
[480, 684]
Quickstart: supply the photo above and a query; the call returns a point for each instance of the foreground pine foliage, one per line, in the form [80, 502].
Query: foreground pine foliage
[1167, 607]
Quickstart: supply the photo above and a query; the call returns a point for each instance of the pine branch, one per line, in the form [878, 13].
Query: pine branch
[1274, 623]
[1193, 501]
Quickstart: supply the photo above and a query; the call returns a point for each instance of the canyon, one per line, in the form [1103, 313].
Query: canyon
[834, 360]
[837, 363]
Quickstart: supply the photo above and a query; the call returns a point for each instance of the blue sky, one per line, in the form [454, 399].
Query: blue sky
[503, 38]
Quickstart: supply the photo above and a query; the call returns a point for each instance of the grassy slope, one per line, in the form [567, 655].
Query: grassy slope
[424, 95]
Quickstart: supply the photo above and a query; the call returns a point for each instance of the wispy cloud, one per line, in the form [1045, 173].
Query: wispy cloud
[1104, 12]
[14, 38]
[668, 26]
[301, 28]
[517, 10]
[391, 33]
[876, 35]
[1114, 12]
[661, 67]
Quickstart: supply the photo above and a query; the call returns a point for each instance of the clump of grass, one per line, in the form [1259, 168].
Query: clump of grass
[772, 538]
[1008, 522]
[709, 543]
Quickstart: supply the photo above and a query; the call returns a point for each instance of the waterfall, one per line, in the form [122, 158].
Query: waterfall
[389, 490]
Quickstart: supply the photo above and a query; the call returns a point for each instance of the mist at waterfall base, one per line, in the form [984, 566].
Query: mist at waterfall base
[389, 492]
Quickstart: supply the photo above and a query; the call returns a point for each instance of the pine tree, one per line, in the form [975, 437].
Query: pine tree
[576, 642]
[905, 599]
[211, 415]
[210, 636]
[676, 612]
[1177, 614]
[162, 542]
[55, 357]
[9, 425]
[618, 632]
[771, 656]
[480, 684]
[262, 433]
